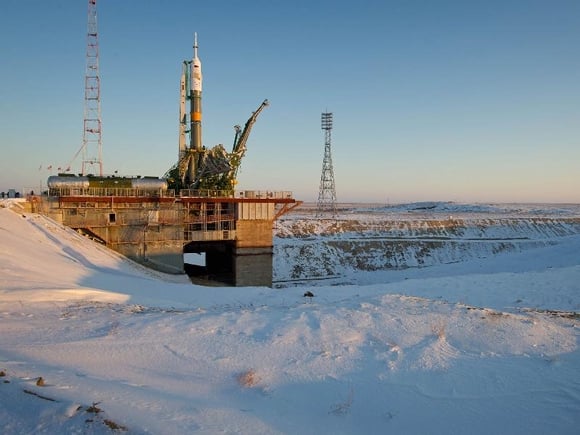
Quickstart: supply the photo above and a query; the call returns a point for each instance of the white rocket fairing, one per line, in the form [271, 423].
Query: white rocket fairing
[196, 77]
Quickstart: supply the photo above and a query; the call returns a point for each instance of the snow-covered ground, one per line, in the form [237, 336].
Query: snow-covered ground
[406, 237]
[486, 345]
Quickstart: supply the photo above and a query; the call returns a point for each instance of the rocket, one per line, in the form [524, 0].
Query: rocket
[196, 80]
[190, 89]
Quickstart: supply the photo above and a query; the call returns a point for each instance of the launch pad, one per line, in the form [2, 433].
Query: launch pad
[156, 228]
[193, 208]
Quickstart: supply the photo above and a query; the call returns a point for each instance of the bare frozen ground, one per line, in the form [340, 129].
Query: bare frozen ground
[485, 346]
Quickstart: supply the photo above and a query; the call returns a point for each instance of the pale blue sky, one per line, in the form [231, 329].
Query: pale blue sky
[432, 100]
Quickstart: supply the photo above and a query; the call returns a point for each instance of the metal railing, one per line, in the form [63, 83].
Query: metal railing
[247, 194]
[263, 194]
[111, 191]
[205, 193]
[167, 193]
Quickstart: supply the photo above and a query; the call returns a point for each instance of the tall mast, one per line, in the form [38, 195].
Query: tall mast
[327, 192]
[92, 141]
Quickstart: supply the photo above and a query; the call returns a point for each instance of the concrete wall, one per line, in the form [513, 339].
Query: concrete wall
[149, 248]
[148, 233]
[253, 267]
[254, 234]
[152, 234]
[159, 246]
[253, 253]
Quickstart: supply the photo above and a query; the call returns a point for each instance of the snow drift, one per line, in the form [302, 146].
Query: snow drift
[481, 346]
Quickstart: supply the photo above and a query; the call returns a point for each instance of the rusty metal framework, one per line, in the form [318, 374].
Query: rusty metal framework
[203, 215]
[206, 221]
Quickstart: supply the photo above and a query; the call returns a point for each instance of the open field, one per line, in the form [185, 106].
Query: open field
[93, 343]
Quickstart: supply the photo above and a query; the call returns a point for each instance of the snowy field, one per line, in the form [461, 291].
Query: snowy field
[93, 343]
[364, 240]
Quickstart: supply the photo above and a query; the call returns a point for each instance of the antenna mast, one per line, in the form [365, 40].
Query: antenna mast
[92, 142]
[327, 192]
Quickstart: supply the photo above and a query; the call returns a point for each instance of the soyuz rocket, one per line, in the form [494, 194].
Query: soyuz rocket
[196, 80]
[190, 89]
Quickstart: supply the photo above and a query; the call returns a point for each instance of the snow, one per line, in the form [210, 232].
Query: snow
[482, 345]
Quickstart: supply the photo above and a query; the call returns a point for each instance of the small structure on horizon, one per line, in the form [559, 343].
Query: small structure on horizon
[327, 193]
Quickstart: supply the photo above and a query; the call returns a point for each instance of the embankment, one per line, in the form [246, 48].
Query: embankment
[308, 248]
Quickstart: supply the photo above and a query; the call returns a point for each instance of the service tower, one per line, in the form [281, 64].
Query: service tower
[327, 192]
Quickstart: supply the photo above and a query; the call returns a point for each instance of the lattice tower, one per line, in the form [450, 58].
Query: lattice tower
[327, 192]
[92, 140]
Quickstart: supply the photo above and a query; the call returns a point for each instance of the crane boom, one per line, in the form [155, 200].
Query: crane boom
[240, 140]
[216, 169]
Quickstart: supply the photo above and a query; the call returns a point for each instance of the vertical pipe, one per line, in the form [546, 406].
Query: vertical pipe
[182, 111]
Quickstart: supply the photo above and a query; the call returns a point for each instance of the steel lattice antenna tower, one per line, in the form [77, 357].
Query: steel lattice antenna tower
[92, 142]
[327, 192]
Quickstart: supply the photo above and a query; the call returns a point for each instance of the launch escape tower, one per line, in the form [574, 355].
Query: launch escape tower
[92, 151]
[327, 192]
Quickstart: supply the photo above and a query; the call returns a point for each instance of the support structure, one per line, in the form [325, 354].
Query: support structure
[156, 228]
[327, 193]
[198, 167]
[92, 154]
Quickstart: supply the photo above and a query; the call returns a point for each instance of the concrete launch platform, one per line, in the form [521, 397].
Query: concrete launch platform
[156, 228]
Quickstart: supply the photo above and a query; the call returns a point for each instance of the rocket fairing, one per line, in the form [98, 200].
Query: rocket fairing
[196, 77]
